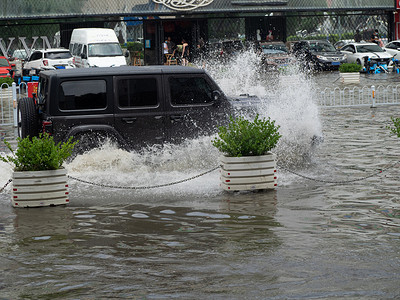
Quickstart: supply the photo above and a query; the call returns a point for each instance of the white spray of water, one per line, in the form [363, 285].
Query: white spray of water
[285, 97]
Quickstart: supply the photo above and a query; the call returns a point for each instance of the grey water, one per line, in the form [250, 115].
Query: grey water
[330, 230]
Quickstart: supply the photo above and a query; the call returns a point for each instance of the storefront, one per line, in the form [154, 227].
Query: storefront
[197, 21]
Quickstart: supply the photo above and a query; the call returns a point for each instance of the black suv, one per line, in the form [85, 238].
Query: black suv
[318, 54]
[134, 106]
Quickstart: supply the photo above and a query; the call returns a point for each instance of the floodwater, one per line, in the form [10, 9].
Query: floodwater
[331, 229]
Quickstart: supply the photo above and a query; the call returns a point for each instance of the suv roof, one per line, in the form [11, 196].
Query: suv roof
[121, 71]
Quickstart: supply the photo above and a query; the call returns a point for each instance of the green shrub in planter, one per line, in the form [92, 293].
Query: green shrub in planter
[242, 137]
[349, 68]
[39, 153]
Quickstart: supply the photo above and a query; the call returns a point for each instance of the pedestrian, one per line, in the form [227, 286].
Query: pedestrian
[270, 37]
[165, 49]
[357, 36]
[171, 45]
[185, 53]
[375, 37]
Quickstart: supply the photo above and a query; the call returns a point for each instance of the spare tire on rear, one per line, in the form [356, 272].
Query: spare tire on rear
[27, 115]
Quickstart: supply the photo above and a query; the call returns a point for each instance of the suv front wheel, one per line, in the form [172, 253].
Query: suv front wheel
[27, 118]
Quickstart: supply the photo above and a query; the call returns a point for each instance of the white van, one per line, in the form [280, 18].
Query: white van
[96, 47]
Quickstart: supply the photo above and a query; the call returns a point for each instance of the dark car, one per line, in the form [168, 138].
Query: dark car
[318, 54]
[134, 106]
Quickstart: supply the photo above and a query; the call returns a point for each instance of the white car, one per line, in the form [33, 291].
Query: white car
[393, 48]
[360, 52]
[48, 59]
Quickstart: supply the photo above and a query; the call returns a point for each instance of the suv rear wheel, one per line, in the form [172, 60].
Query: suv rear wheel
[27, 117]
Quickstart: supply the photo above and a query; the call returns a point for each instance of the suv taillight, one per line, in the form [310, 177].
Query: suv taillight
[45, 62]
[47, 127]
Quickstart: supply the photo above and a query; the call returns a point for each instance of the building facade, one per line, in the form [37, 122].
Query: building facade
[36, 23]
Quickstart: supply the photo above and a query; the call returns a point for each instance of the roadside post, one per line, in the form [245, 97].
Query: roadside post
[373, 96]
[14, 99]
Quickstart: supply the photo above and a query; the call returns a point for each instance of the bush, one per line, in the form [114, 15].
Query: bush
[134, 46]
[396, 129]
[245, 138]
[347, 68]
[6, 80]
[39, 153]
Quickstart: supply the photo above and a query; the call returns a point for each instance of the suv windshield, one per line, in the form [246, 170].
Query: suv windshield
[322, 47]
[274, 48]
[369, 48]
[57, 55]
[105, 49]
[4, 62]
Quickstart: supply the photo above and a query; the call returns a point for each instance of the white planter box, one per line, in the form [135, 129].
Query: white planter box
[40, 188]
[248, 172]
[352, 77]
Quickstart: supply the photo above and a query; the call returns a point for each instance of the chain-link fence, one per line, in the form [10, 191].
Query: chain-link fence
[334, 26]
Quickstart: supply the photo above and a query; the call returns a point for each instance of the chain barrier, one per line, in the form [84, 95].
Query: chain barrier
[7, 183]
[343, 181]
[215, 168]
[144, 187]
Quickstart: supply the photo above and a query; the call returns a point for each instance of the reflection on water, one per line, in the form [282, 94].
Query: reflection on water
[306, 240]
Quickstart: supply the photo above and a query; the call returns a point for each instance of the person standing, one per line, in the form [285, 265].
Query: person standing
[185, 53]
[165, 50]
[357, 36]
[375, 37]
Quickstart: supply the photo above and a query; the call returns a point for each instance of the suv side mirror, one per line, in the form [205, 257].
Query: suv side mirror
[216, 95]
[127, 54]
[83, 55]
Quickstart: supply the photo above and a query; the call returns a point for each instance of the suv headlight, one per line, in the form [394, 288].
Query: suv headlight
[321, 57]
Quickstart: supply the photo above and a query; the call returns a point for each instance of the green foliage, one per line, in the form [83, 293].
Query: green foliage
[245, 138]
[39, 153]
[348, 68]
[396, 129]
[134, 46]
[6, 80]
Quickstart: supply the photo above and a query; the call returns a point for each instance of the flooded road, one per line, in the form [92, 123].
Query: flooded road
[311, 238]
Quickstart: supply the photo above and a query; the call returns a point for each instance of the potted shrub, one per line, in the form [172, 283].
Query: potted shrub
[247, 163]
[39, 178]
[350, 72]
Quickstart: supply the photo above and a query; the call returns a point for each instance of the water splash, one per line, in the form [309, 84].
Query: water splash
[286, 97]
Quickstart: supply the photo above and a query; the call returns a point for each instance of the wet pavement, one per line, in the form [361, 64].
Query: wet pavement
[331, 229]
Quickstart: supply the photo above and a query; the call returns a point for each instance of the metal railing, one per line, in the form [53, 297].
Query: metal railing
[8, 102]
[358, 96]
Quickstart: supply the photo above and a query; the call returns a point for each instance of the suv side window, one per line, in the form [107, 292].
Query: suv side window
[190, 90]
[83, 94]
[35, 56]
[137, 92]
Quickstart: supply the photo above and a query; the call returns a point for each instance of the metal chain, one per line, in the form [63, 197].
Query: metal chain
[213, 169]
[144, 187]
[7, 183]
[343, 181]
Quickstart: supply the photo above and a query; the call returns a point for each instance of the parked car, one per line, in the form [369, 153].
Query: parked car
[360, 53]
[339, 44]
[393, 48]
[20, 54]
[48, 59]
[318, 54]
[275, 55]
[6, 69]
[96, 47]
[134, 106]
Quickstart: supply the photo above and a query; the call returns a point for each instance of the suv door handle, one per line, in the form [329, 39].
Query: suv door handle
[129, 120]
[176, 117]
